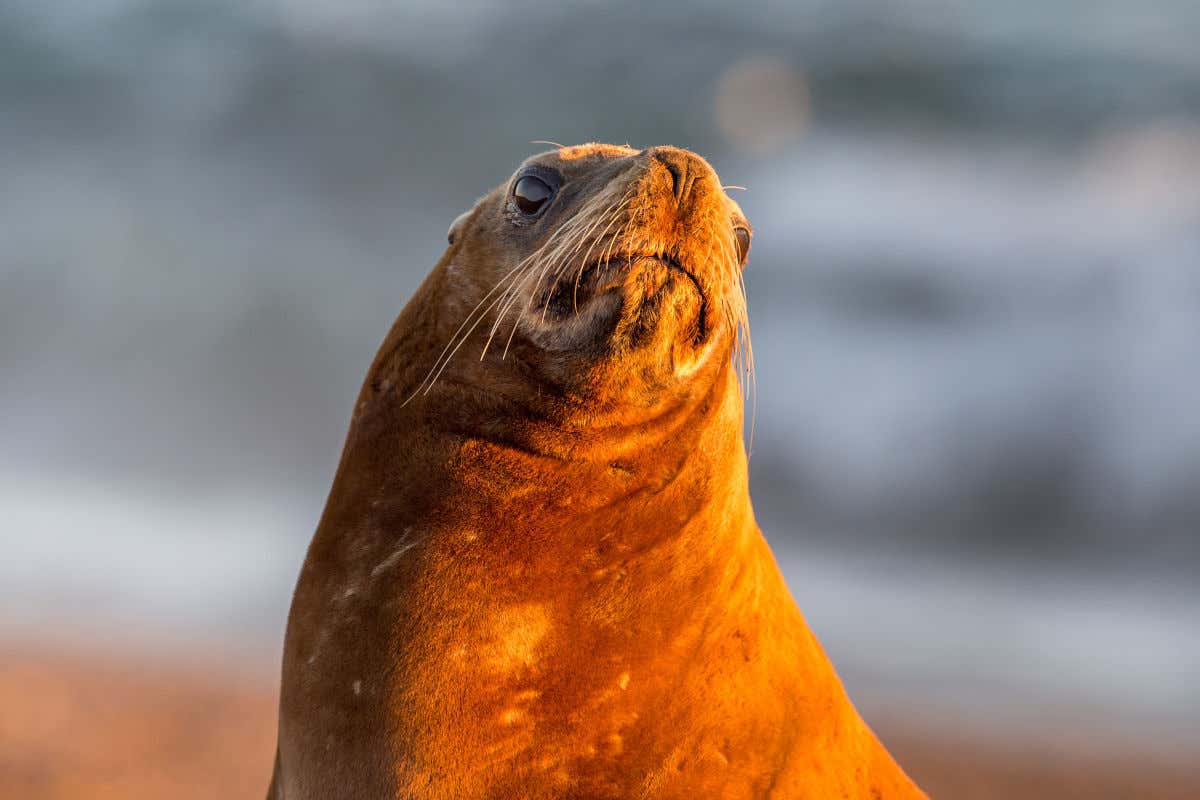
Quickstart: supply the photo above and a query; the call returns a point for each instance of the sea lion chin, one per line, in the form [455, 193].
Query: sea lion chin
[538, 573]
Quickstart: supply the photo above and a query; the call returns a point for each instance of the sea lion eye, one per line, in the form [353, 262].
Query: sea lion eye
[531, 194]
[742, 235]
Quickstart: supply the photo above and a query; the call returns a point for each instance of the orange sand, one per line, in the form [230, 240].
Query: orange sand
[86, 727]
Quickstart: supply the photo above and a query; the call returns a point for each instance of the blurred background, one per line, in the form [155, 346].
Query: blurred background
[975, 297]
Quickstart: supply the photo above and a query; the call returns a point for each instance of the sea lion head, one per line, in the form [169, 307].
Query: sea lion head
[595, 271]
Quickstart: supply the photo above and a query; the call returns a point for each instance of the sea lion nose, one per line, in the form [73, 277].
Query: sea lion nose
[679, 164]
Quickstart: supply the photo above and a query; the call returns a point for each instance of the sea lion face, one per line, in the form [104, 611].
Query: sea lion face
[599, 265]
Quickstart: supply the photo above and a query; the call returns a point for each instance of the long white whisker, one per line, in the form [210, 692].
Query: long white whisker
[562, 259]
[616, 215]
[574, 229]
[566, 231]
[476, 316]
[459, 330]
[611, 215]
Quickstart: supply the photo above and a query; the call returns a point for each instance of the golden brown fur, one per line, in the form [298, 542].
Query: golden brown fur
[538, 574]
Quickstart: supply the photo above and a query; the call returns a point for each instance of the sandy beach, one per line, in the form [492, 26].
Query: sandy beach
[78, 724]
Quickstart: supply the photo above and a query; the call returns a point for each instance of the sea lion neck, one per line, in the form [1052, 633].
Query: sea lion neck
[573, 449]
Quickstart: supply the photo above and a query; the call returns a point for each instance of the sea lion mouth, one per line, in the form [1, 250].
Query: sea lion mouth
[567, 295]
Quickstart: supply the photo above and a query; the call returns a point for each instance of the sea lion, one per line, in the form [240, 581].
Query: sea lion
[538, 574]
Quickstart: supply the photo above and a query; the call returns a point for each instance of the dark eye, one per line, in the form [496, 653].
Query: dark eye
[531, 194]
[742, 235]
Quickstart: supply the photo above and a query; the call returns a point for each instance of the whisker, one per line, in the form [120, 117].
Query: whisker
[561, 264]
[617, 209]
[605, 260]
[567, 231]
[738, 316]
[460, 336]
[560, 267]
[616, 215]
[562, 251]
[558, 260]
[463, 325]
[476, 316]
[574, 230]
[505, 301]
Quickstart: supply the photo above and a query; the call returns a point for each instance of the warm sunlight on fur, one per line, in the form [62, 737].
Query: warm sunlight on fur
[560, 589]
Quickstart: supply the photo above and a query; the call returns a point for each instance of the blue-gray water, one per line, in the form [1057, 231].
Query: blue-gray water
[975, 293]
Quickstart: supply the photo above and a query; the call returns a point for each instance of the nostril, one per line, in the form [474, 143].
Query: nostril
[678, 168]
[677, 176]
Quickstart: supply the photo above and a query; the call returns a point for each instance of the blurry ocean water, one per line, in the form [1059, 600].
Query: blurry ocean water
[975, 293]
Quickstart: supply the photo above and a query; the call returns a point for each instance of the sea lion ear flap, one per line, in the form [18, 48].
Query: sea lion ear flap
[455, 231]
